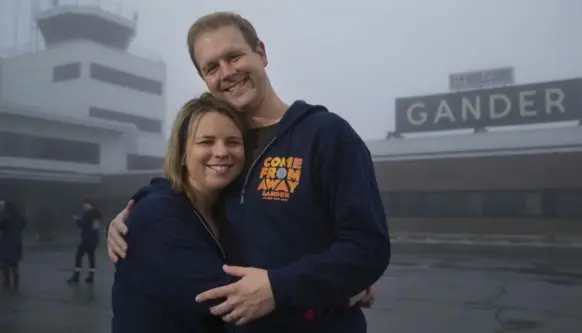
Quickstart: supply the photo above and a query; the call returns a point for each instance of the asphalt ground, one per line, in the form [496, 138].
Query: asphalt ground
[429, 288]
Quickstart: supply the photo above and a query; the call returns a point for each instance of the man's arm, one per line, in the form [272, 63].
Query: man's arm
[360, 252]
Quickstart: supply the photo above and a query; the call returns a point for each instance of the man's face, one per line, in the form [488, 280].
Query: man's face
[231, 69]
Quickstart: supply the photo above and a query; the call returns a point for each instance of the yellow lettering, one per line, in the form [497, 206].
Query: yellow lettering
[292, 185]
[275, 162]
[267, 161]
[264, 172]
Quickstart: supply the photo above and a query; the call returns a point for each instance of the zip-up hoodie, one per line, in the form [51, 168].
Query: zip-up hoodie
[172, 256]
[309, 211]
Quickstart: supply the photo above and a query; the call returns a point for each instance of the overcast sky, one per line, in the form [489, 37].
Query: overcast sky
[356, 57]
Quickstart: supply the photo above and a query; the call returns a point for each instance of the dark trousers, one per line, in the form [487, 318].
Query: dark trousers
[10, 273]
[88, 248]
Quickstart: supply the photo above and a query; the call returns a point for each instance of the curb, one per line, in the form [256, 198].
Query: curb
[489, 240]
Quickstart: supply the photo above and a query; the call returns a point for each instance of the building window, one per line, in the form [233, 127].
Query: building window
[142, 162]
[567, 203]
[446, 204]
[67, 72]
[125, 79]
[458, 204]
[47, 148]
[143, 123]
[533, 204]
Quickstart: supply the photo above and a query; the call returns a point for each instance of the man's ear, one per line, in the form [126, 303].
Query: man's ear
[262, 52]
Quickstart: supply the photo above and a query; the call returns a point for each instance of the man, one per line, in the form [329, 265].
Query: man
[89, 223]
[307, 209]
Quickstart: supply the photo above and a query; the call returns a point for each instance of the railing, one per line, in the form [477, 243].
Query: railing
[134, 49]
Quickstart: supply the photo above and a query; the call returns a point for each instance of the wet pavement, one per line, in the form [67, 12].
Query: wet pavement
[427, 289]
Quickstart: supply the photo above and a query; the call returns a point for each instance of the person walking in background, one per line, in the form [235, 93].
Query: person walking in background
[12, 224]
[90, 224]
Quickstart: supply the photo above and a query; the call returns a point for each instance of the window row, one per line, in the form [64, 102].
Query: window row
[47, 148]
[493, 204]
[71, 71]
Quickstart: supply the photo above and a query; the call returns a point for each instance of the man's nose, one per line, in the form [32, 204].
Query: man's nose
[226, 69]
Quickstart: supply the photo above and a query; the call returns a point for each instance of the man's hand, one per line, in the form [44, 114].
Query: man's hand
[116, 245]
[368, 300]
[247, 299]
[357, 298]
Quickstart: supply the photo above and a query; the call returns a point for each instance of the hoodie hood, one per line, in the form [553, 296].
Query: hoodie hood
[297, 112]
[157, 185]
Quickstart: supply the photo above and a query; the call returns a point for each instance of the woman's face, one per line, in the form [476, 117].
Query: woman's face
[214, 153]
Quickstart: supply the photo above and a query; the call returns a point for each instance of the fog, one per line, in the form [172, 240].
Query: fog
[485, 221]
[356, 57]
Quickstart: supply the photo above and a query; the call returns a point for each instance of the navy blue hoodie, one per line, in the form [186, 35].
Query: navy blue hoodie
[310, 212]
[172, 256]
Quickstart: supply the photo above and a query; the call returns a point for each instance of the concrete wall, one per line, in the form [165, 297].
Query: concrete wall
[523, 172]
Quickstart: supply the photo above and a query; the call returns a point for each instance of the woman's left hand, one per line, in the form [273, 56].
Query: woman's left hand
[247, 299]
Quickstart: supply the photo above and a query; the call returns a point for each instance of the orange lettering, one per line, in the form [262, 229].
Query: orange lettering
[294, 174]
[262, 186]
[264, 172]
[282, 187]
[271, 173]
[271, 184]
[275, 162]
[297, 163]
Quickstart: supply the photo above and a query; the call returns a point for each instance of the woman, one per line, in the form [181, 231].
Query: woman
[11, 226]
[175, 252]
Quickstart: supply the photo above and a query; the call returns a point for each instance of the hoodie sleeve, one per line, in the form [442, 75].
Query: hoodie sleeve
[168, 256]
[140, 194]
[360, 252]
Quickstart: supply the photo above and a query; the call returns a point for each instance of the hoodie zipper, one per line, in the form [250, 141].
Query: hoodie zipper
[211, 235]
[242, 194]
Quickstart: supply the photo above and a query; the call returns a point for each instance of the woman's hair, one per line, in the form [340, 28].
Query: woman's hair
[182, 129]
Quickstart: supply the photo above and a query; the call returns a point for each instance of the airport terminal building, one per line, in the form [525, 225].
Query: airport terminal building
[485, 177]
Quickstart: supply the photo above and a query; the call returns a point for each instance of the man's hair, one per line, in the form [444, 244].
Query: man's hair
[182, 129]
[217, 20]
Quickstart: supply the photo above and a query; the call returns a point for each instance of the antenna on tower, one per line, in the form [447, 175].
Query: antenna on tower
[34, 9]
[16, 22]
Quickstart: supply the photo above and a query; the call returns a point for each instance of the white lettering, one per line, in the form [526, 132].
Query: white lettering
[423, 116]
[498, 97]
[558, 102]
[444, 110]
[523, 104]
[467, 107]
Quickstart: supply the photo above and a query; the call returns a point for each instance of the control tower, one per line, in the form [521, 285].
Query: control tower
[64, 21]
[88, 69]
